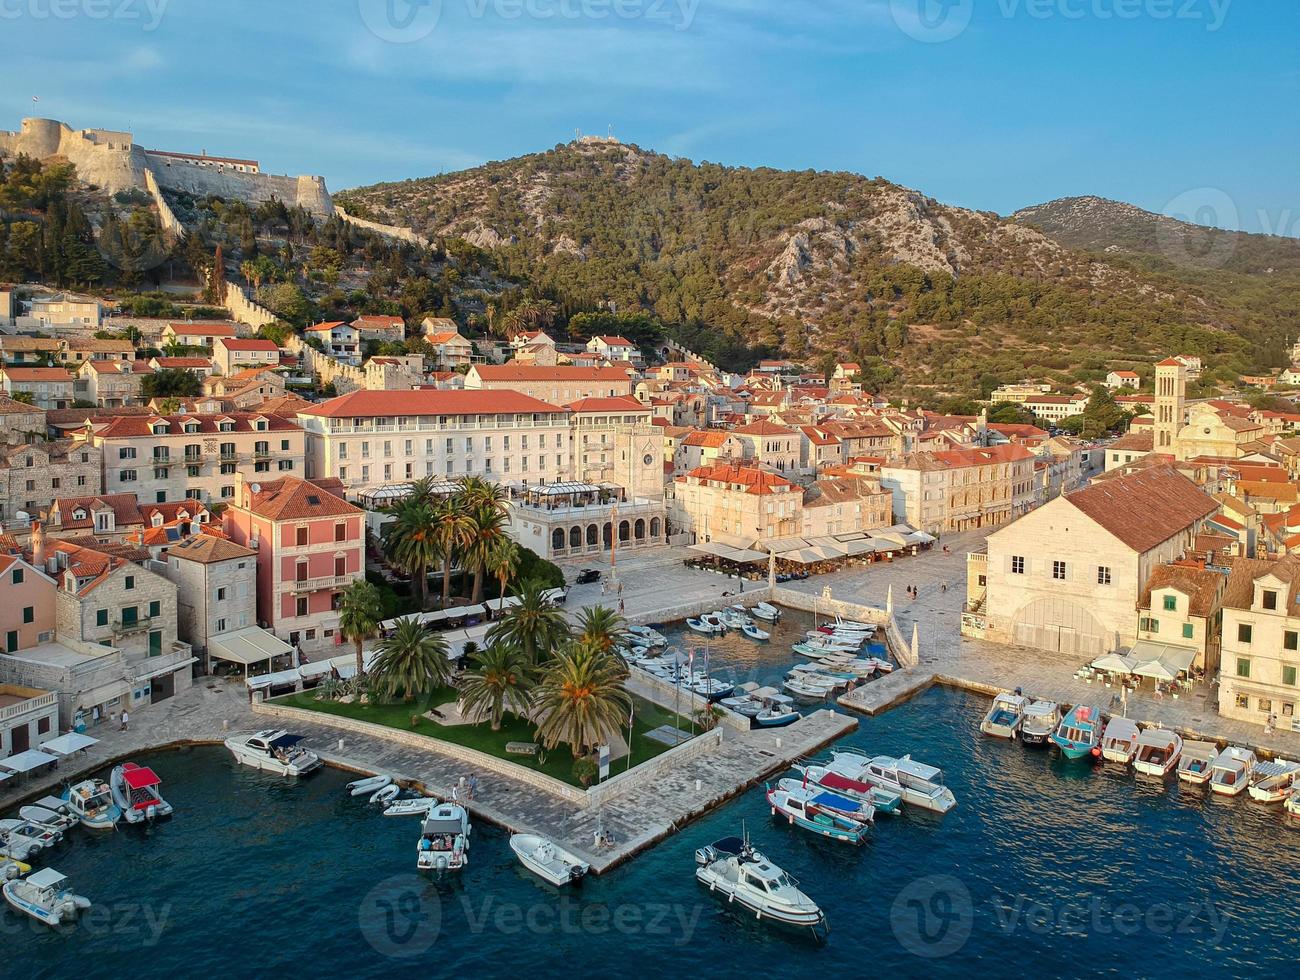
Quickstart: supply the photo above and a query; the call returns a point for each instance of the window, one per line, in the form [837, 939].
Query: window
[1187, 631]
[1288, 675]
[221, 625]
[1103, 575]
[1058, 570]
[1149, 625]
[227, 491]
[341, 531]
[130, 615]
[1171, 603]
[340, 566]
[130, 581]
[101, 617]
[1017, 565]
[301, 607]
[29, 614]
[126, 452]
[1243, 666]
[1243, 701]
[18, 576]
[1265, 705]
[1244, 632]
[285, 464]
[221, 594]
[126, 476]
[1270, 599]
[155, 608]
[301, 535]
[1290, 640]
[300, 571]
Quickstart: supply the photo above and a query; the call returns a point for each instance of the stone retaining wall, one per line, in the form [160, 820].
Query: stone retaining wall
[898, 645]
[244, 309]
[165, 214]
[390, 231]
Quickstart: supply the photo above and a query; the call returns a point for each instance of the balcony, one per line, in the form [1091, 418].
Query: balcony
[141, 625]
[45, 699]
[318, 584]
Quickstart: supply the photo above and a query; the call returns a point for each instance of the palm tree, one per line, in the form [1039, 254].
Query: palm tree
[501, 679]
[410, 541]
[583, 699]
[503, 562]
[536, 627]
[451, 531]
[412, 660]
[487, 531]
[601, 628]
[360, 612]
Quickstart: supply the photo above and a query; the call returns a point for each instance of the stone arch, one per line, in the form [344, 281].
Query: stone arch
[575, 537]
[593, 534]
[638, 529]
[608, 534]
[1060, 624]
[624, 532]
[557, 539]
[654, 528]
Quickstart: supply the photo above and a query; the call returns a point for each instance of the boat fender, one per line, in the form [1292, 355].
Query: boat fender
[1096, 752]
[790, 817]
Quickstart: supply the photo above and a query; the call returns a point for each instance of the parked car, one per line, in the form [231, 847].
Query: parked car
[557, 596]
[588, 575]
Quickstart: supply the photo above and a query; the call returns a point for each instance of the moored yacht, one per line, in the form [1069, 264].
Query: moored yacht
[1040, 721]
[1274, 782]
[733, 868]
[1158, 752]
[444, 839]
[1231, 770]
[1005, 716]
[275, 751]
[919, 784]
[884, 800]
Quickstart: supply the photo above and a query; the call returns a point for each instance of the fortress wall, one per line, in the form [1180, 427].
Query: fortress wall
[345, 377]
[165, 214]
[392, 231]
[193, 178]
[244, 310]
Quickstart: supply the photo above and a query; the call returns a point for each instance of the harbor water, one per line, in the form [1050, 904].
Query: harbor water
[1070, 868]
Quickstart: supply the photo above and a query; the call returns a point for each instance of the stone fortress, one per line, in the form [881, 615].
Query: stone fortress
[113, 161]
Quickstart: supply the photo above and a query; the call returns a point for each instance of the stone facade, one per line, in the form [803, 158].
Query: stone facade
[216, 588]
[128, 607]
[32, 475]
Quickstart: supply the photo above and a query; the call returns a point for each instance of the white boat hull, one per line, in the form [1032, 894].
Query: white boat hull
[547, 860]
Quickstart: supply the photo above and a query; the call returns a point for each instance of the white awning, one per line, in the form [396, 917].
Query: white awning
[1163, 661]
[1115, 663]
[281, 678]
[251, 645]
[69, 743]
[726, 552]
[27, 761]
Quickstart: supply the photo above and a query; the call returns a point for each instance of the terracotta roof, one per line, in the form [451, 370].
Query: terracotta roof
[142, 425]
[428, 401]
[708, 439]
[116, 367]
[374, 320]
[620, 403]
[183, 362]
[823, 493]
[12, 406]
[124, 507]
[1200, 585]
[444, 338]
[252, 343]
[763, 428]
[1169, 362]
[1240, 593]
[204, 548]
[1145, 508]
[748, 478]
[100, 345]
[37, 374]
[1137, 442]
[528, 372]
[325, 327]
[1018, 430]
[290, 498]
[617, 341]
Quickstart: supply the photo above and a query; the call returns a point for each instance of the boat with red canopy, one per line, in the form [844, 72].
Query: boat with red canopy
[136, 790]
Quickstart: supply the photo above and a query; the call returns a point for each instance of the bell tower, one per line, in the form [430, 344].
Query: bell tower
[1171, 391]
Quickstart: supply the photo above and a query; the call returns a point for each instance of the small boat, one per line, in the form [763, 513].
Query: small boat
[386, 794]
[647, 636]
[884, 800]
[734, 619]
[135, 791]
[11, 869]
[801, 808]
[1231, 771]
[733, 868]
[813, 687]
[704, 624]
[45, 897]
[754, 633]
[777, 711]
[1274, 782]
[1079, 733]
[844, 805]
[273, 750]
[415, 806]
[744, 700]
[60, 820]
[1004, 717]
[1158, 751]
[854, 625]
[21, 840]
[444, 839]
[1292, 808]
[1195, 763]
[1040, 721]
[1119, 742]
[364, 787]
[547, 859]
[834, 643]
[91, 802]
[919, 784]
[766, 612]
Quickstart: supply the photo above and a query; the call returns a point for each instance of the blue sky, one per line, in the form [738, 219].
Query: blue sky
[991, 104]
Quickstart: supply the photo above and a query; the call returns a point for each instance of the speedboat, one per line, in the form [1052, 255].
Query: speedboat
[802, 808]
[862, 810]
[1274, 782]
[22, 840]
[747, 878]
[1040, 721]
[734, 619]
[766, 612]
[45, 897]
[744, 700]
[91, 801]
[1196, 761]
[777, 711]
[135, 791]
[548, 860]
[1231, 771]
[1119, 742]
[919, 784]
[1158, 751]
[647, 636]
[754, 633]
[1079, 733]
[417, 806]
[273, 750]
[1004, 717]
[705, 624]
[884, 800]
[444, 839]
[711, 688]
[55, 817]
[368, 785]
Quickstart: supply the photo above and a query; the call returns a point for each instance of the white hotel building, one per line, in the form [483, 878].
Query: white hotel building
[369, 438]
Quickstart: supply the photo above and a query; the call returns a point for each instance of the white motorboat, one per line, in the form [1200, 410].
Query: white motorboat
[1274, 782]
[708, 625]
[1231, 771]
[548, 860]
[386, 794]
[744, 701]
[1196, 761]
[734, 619]
[273, 750]
[854, 808]
[777, 711]
[919, 784]
[22, 840]
[766, 612]
[1119, 741]
[815, 687]
[710, 687]
[1040, 721]
[853, 624]
[754, 633]
[444, 839]
[417, 806]
[1004, 717]
[368, 785]
[826, 642]
[91, 802]
[44, 896]
[883, 800]
[1158, 751]
[647, 636]
[731, 867]
[136, 793]
[60, 819]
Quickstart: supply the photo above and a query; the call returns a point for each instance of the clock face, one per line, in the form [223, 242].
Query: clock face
[648, 459]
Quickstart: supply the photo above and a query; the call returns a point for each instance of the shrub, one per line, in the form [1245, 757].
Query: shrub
[585, 770]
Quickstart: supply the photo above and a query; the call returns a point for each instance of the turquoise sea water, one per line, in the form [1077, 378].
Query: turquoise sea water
[1054, 868]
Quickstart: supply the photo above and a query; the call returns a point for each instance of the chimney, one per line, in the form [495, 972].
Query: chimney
[38, 544]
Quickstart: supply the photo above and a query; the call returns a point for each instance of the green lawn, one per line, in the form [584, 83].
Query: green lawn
[558, 762]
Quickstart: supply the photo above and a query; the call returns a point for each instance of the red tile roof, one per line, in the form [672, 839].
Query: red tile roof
[620, 403]
[1145, 508]
[428, 401]
[37, 374]
[763, 428]
[528, 372]
[142, 425]
[748, 478]
[290, 498]
[232, 343]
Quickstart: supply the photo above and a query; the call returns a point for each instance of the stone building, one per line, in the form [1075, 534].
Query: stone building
[33, 475]
[216, 587]
[554, 385]
[1260, 675]
[735, 501]
[49, 387]
[232, 354]
[20, 422]
[111, 383]
[958, 489]
[771, 445]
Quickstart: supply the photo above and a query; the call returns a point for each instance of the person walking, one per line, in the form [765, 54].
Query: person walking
[126, 720]
[473, 784]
